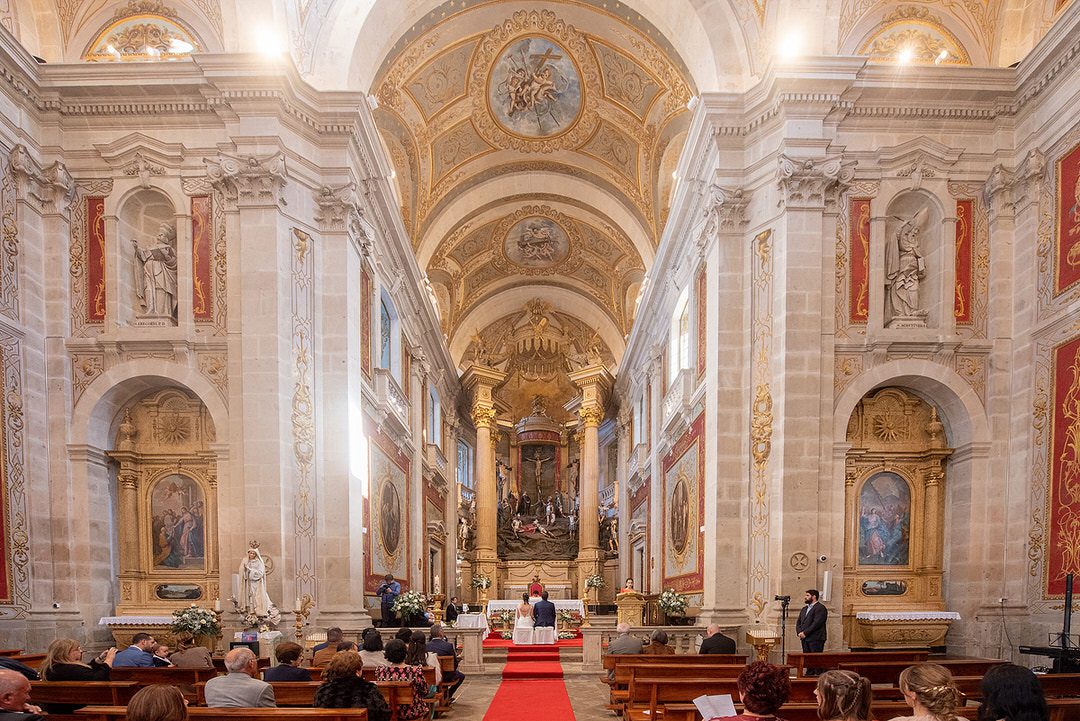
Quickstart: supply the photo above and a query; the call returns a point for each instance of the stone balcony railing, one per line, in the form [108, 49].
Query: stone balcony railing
[435, 467]
[684, 639]
[637, 465]
[678, 403]
[391, 402]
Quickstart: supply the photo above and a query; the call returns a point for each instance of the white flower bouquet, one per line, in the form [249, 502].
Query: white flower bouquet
[196, 621]
[672, 602]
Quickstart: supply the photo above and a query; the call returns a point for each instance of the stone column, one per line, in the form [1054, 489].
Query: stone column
[595, 383]
[622, 496]
[479, 382]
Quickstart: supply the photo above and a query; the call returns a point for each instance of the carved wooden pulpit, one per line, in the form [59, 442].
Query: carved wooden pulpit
[630, 607]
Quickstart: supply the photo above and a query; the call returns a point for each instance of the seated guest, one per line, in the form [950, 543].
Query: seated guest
[624, 643]
[188, 655]
[763, 689]
[63, 662]
[15, 698]
[342, 687]
[160, 652]
[416, 654]
[453, 609]
[372, 652]
[441, 646]
[11, 664]
[323, 657]
[716, 642]
[239, 688]
[137, 654]
[1012, 693]
[398, 670]
[157, 703]
[288, 668]
[658, 645]
[404, 635]
[843, 696]
[929, 690]
[333, 635]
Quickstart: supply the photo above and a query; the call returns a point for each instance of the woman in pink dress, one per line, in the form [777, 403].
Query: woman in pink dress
[398, 670]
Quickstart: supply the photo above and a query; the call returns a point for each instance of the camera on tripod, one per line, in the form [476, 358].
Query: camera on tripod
[782, 599]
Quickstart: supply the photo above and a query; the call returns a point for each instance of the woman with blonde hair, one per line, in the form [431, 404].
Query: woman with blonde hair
[843, 696]
[929, 689]
[157, 703]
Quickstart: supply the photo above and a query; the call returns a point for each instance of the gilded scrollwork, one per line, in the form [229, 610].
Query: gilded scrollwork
[761, 418]
[302, 414]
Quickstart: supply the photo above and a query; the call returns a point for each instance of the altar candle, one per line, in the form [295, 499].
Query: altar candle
[217, 604]
[438, 586]
[297, 606]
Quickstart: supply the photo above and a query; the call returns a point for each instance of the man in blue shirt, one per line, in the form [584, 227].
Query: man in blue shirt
[138, 653]
[388, 592]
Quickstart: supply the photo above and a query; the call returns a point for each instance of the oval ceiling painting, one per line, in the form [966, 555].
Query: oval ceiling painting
[534, 88]
[536, 242]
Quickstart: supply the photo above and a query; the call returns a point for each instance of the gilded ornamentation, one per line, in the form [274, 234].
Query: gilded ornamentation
[9, 243]
[454, 148]
[626, 82]
[12, 458]
[303, 410]
[916, 43]
[77, 255]
[442, 81]
[172, 428]
[483, 416]
[142, 37]
[144, 7]
[591, 416]
[761, 418]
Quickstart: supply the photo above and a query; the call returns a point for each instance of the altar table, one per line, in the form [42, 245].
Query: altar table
[471, 620]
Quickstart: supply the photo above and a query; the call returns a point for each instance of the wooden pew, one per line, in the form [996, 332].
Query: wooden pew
[219, 663]
[169, 675]
[119, 713]
[286, 693]
[10, 651]
[802, 689]
[805, 712]
[446, 665]
[33, 660]
[832, 659]
[610, 660]
[888, 672]
[626, 672]
[83, 693]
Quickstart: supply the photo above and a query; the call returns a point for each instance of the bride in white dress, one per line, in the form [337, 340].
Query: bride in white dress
[523, 622]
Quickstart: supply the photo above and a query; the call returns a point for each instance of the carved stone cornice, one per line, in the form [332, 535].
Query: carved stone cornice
[248, 180]
[339, 208]
[51, 189]
[998, 192]
[813, 183]
[143, 169]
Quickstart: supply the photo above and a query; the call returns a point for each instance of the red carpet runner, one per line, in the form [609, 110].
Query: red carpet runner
[532, 681]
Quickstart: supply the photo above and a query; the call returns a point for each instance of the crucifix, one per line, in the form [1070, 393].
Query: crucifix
[547, 56]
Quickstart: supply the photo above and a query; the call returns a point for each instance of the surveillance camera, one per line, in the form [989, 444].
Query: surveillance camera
[56, 605]
[822, 558]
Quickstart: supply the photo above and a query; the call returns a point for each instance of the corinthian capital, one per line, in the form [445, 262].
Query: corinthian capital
[339, 208]
[725, 210]
[51, 189]
[591, 416]
[248, 179]
[998, 191]
[813, 183]
[483, 416]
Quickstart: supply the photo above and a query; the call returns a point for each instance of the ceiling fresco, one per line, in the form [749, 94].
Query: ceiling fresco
[518, 134]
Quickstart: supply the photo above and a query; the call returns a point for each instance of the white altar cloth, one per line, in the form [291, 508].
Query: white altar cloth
[561, 604]
[136, 621]
[471, 620]
[908, 616]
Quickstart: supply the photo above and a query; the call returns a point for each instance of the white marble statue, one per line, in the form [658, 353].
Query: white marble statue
[905, 268]
[253, 599]
[155, 273]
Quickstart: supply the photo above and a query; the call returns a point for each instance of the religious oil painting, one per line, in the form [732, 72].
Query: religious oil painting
[178, 591]
[1063, 502]
[683, 511]
[884, 588]
[1067, 264]
[534, 88]
[680, 514]
[389, 518]
[178, 523]
[884, 521]
[536, 242]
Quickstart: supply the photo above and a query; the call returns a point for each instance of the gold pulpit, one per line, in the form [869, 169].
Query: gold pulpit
[630, 607]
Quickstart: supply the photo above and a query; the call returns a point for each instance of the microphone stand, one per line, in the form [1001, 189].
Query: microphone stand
[783, 630]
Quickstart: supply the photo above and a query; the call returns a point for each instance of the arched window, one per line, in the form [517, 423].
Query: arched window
[679, 351]
[464, 464]
[434, 419]
[142, 36]
[389, 337]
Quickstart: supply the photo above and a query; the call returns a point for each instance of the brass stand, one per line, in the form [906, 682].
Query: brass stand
[437, 607]
[306, 604]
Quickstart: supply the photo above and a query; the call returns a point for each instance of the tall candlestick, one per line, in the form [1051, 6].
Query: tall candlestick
[217, 604]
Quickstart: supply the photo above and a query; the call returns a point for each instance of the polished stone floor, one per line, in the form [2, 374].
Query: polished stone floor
[588, 698]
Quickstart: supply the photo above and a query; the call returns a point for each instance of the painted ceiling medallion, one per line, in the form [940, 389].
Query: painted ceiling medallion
[534, 88]
[536, 242]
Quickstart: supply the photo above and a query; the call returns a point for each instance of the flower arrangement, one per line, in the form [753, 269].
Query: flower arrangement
[568, 634]
[410, 604]
[595, 581]
[196, 621]
[566, 616]
[481, 581]
[507, 618]
[672, 602]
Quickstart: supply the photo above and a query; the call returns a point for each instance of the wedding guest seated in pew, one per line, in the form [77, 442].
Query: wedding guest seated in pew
[288, 668]
[323, 657]
[188, 655]
[15, 698]
[1012, 693]
[343, 687]
[843, 696]
[416, 654]
[441, 646]
[372, 652]
[333, 635]
[160, 652]
[658, 644]
[137, 654]
[63, 662]
[716, 642]
[398, 670]
[17, 666]
[240, 688]
[157, 703]
[624, 643]
[929, 690]
[763, 690]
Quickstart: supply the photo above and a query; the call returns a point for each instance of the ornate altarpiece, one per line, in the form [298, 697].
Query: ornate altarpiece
[167, 491]
[894, 503]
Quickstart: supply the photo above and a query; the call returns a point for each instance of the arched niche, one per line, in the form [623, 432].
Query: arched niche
[146, 234]
[166, 486]
[914, 262]
[894, 503]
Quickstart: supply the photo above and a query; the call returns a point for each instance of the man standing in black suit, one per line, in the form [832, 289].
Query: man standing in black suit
[811, 623]
[544, 612]
[716, 642]
[452, 609]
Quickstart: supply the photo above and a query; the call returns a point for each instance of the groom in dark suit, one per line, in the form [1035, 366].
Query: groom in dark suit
[544, 612]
